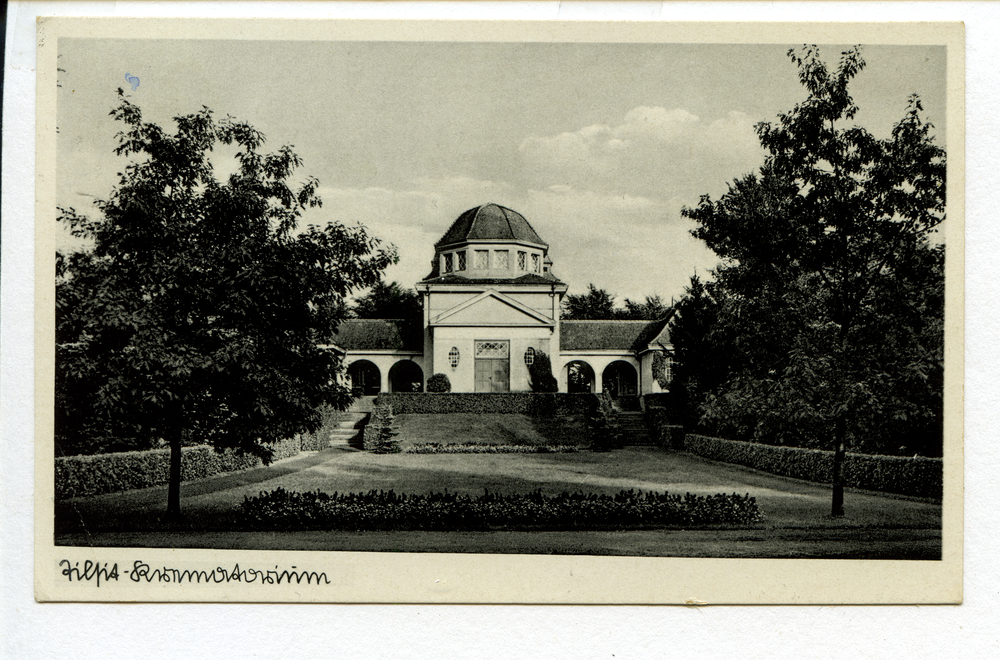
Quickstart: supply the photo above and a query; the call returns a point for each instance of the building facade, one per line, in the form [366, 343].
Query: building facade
[491, 303]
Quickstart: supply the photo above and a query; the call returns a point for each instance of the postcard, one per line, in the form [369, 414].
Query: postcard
[358, 311]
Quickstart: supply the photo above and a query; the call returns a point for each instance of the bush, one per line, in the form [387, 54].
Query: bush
[82, 476]
[474, 448]
[540, 373]
[387, 511]
[438, 383]
[321, 439]
[380, 435]
[522, 403]
[917, 476]
[605, 433]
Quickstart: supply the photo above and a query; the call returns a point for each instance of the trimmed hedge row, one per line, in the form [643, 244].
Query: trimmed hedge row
[917, 476]
[385, 510]
[81, 476]
[524, 403]
[473, 448]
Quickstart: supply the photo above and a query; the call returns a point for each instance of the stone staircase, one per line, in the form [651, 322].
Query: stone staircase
[634, 429]
[352, 423]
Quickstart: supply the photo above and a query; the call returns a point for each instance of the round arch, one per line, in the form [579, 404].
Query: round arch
[406, 376]
[366, 379]
[620, 379]
[579, 377]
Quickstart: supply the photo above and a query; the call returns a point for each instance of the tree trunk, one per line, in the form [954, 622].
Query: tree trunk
[174, 485]
[839, 455]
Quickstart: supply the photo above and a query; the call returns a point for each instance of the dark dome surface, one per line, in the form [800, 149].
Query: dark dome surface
[491, 221]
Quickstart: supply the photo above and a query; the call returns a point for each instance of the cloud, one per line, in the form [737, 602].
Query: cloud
[632, 245]
[653, 152]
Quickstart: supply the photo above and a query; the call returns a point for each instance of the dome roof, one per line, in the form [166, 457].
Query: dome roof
[490, 221]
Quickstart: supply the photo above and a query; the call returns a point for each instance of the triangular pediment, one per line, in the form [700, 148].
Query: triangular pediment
[491, 308]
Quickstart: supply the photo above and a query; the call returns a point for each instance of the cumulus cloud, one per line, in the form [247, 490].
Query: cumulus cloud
[653, 151]
[632, 245]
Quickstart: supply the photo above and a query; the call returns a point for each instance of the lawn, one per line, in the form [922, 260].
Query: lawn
[797, 521]
[496, 429]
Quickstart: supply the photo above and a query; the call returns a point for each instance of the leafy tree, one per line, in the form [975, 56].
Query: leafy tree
[652, 308]
[540, 374]
[814, 244]
[388, 301]
[197, 315]
[703, 351]
[599, 304]
[595, 304]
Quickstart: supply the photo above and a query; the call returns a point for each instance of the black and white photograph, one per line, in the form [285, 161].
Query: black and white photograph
[520, 301]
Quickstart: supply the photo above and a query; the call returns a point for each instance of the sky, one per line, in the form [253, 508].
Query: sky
[599, 146]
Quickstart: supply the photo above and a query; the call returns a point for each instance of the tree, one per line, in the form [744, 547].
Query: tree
[540, 374]
[595, 304]
[651, 309]
[702, 350]
[813, 244]
[388, 301]
[199, 312]
[599, 304]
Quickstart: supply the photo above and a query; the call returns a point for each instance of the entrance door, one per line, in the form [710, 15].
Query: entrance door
[492, 366]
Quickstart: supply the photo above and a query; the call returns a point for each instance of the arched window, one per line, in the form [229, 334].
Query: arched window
[529, 356]
[453, 356]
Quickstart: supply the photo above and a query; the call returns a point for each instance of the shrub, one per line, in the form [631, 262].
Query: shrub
[438, 383]
[540, 373]
[605, 433]
[474, 448]
[379, 436]
[81, 476]
[916, 476]
[522, 403]
[389, 511]
[330, 418]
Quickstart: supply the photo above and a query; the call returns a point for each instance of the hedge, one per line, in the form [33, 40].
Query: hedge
[524, 403]
[917, 476]
[284, 510]
[493, 448]
[82, 476]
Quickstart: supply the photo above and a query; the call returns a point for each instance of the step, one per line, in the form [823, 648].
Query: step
[364, 404]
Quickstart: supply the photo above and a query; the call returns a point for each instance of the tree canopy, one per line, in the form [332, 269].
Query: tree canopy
[599, 304]
[829, 301]
[198, 314]
[388, 301]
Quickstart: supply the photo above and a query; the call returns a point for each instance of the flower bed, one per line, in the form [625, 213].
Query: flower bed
[389, 511]
[80, 476]
[476, 448]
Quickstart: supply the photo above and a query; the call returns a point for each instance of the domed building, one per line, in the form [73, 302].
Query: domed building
[491, 302]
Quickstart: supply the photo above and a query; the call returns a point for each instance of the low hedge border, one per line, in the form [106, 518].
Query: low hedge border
[473, 448]
[917, 476]
[524, 403]
[284, 510]
[82, 476]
